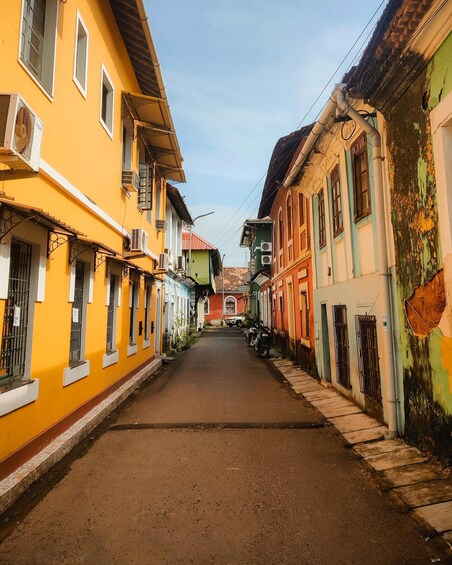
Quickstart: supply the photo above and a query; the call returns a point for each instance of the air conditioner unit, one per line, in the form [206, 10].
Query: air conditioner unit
[130, 180]
[266, 259]
[180, 263]
[160, 225]
[20, 134]
[266, 247]
[139, 240]
[163, 262]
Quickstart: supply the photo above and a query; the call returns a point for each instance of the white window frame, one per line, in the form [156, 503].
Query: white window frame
[46, 81]
[134, 303]
[147, 314]
[112, 357]
[36, 236]
[235, 306]
[78, 372]
[80, 25]
[207, 306]
[110, 103]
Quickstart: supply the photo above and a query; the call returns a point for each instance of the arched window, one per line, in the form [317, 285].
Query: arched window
[206, 306]
[230, 305]
[289, 217]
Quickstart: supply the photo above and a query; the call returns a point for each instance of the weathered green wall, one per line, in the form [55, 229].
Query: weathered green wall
[427, 391]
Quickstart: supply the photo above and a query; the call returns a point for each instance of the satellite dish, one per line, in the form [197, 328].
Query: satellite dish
[23, 130]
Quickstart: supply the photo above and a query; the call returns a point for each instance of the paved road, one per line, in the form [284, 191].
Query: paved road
[216, 462]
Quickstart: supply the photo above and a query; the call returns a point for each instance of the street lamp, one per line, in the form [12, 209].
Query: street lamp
[222, 287]
[189, 238]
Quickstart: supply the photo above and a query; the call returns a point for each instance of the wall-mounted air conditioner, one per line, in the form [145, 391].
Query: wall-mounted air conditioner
[160, 225]
[266, 259]
[20, 134]
[163, 261]
[180, 263]
[139, 240]
[266, 247]
[130, 180]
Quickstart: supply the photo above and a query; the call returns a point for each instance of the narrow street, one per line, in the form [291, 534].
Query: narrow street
[216, 461]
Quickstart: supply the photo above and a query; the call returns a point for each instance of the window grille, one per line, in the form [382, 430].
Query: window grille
[75, 352]
[133, 305]
[341, 345]
[369, 371]
[32, 41]
[15, 319]
[361, 186]
[145, 187]
[147, 310]
[336, 202]
[322, 226]
[111, 315]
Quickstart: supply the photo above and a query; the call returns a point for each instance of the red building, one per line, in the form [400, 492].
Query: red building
[234, 300]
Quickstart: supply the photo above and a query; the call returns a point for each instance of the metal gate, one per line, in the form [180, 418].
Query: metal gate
[369, 369]
[15, 320]
[75, 353]
[341, 343]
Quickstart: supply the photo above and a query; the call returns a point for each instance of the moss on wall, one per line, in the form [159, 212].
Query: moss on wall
[427, 392]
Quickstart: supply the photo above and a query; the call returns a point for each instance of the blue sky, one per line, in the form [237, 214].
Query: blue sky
[240, 74]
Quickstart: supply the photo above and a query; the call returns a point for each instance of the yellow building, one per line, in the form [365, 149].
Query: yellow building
[87, 143]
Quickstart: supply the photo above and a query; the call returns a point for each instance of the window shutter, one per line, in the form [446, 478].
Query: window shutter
[145, 188]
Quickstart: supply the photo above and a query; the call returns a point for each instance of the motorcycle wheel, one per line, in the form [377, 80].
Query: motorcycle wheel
[263, 351]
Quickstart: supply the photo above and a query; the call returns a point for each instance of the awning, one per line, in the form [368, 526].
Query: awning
[260, 278]
[127, 266]
[151, 114]
[101, 251]
[12, 213]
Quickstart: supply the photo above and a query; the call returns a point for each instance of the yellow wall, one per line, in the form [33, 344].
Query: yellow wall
[76, 145]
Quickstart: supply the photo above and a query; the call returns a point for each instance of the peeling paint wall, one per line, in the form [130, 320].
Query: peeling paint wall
[426, 351]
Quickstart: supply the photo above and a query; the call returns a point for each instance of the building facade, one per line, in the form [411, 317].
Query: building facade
[228, 300]
[83, 190]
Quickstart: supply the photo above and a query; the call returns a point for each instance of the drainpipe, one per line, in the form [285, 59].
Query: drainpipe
[337, 100]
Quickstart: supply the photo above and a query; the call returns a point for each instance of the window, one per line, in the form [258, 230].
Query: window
[158, 196]
[147, 313]
[38, 40]
[230, 305]
[322, 227]
[81, 56]
[369, 371]
[111, 314]
[145, 187]
[15, 318]
[304, 311]
[127, 146]
[106, 102]
[78, 325]
[280, 239]
[336, 202]
[303, 222]
[341, 345]
[361, 185]
[206, 306]
[133, 305]
[289, 228]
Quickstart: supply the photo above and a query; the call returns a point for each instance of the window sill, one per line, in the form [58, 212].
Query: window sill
[74, 374]
[110, 359]
[132, 349]
[19, 396]
[147, 343]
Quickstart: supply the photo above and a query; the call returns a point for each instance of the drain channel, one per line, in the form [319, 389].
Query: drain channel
[221, 426]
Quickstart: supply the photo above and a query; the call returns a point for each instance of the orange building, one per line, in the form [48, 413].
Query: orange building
[291, 282]
[232, 301]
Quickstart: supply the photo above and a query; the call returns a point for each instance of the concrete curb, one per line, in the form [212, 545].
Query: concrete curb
[18, 482]
[402, 469]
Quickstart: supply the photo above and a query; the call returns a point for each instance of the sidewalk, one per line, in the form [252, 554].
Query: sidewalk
[18, 482]
[402, 470]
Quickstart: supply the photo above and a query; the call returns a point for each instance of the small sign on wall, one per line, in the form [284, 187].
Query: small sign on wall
[75, 315]
[16, 317]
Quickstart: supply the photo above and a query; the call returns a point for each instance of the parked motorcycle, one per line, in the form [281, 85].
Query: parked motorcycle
[251, 335]
[262, 342]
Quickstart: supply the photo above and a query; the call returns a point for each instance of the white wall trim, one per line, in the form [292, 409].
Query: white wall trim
[110, 359]
[15, 398]
[132, 349]
[68, 187]
[74, 374]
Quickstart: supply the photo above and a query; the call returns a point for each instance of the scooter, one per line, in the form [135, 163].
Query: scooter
[263, 341]
[251, 335]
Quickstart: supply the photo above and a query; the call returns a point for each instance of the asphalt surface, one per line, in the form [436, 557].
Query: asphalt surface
[216, 461]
